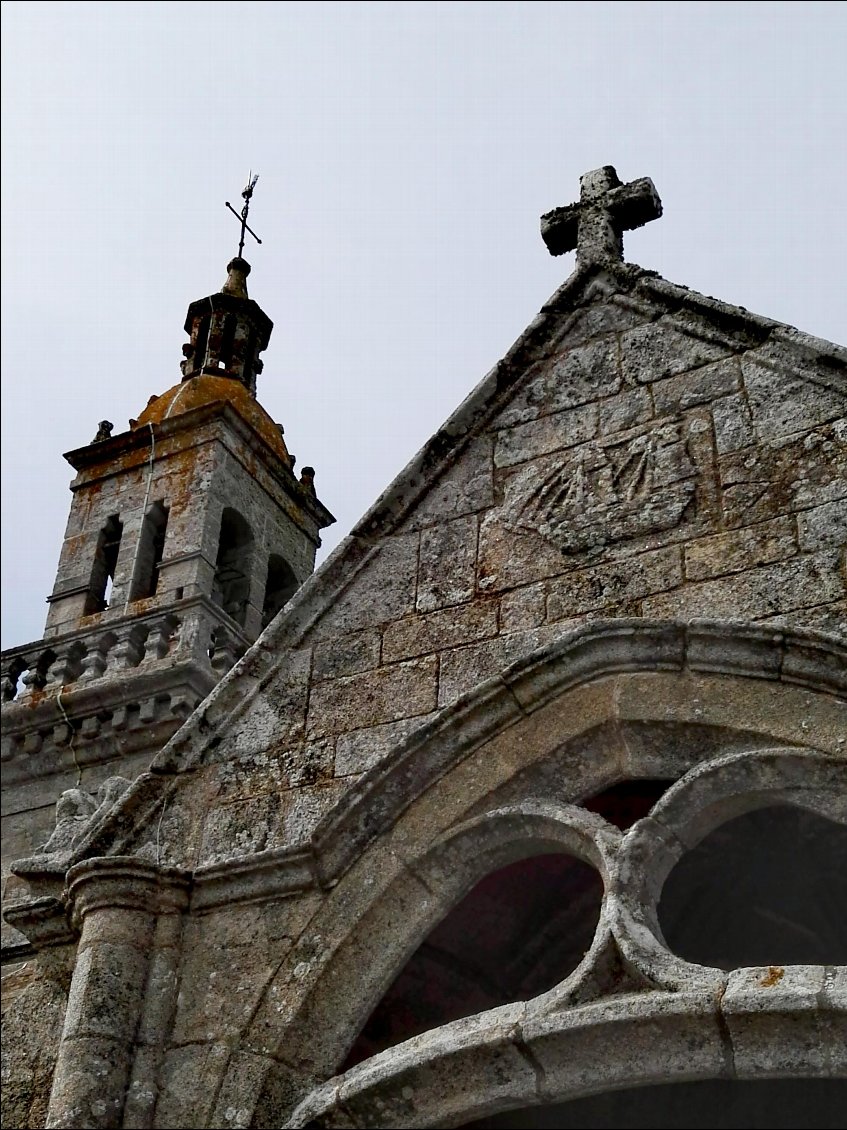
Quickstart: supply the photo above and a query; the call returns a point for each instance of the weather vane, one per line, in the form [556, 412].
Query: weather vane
[247, 194]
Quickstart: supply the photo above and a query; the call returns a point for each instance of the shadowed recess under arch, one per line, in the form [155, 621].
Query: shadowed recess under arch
[517, 933]
[766, 888]
[712, 1104]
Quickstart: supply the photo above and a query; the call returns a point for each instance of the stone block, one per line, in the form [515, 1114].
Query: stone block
[760, 592]
[466, 667]
[277, 713]
[386, 695]
[548, 433]
[660, 349]
[391, 572]
[625, 410]
[772, 1015]
[699, 386]
[823, 526]
[522, 608]
[830, 618]
[346, 655]
[597, 320]
[447, 571]
[733, 423]
[190, 1078]
[783, 403]
[509, 558]
[303, 809]
[631, 579]
[628, 1041]
[359, 750]
[486, 1073]
[798, 474]
[437, 631]
[740, 549]
[580, 376]
[240, 828]
[108, 982]
[465, 487]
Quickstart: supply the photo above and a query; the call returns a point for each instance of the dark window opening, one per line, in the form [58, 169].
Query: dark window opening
[711, 1104]
[624, 803]
[151, 547]
[280, 587]
[202, 343]
[519, 932]
[231, 590]
[103, 568]
[767, 888]
[228, 340]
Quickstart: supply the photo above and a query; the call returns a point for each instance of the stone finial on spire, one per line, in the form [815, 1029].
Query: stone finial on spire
[236, 279]
[606, 209]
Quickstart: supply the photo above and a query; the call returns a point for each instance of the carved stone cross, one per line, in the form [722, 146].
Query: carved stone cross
[606, 209]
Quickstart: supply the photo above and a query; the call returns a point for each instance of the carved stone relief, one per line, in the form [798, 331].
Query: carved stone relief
[631, 484]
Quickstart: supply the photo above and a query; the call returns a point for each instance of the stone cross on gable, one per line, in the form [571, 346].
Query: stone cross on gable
[606, 209]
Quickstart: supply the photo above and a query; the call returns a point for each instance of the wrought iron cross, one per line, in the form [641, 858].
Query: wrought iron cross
[606, 209]
[245, 227]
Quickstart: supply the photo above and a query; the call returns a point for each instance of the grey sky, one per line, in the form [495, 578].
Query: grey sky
[405, 153]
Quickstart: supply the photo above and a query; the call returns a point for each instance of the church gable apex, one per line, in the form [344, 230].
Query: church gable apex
[622, 460]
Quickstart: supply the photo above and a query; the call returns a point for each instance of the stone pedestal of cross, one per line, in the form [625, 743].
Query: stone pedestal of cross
[606, 209]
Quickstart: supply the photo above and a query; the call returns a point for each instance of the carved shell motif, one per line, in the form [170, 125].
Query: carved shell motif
[608, 492]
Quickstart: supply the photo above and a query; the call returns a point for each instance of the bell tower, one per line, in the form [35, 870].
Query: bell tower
[187, 533]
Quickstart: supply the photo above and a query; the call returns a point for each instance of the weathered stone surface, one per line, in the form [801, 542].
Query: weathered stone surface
[767, 590]
[783, 403]
[660, 349]
[453, 543]
[740, 549]
[699, 386]
[759, 483]
[589, 589]
[34, 1002]
[436, 631]
[550, 433]
[393, 570]
[346, 655]
[523, 608]
[360, 750]
[577, 377]
[733, 423]
[823, 526]
[634, 483]
[630, 407]
[465, 488]
[446, 698]
[400, 691]
[464, 668]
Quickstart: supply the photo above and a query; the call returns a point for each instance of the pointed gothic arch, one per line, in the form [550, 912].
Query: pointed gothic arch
[596, 725]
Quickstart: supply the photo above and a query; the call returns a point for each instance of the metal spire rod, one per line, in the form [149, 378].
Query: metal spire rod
[245, 227]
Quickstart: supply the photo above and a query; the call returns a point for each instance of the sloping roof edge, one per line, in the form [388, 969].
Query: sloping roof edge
[316, 596]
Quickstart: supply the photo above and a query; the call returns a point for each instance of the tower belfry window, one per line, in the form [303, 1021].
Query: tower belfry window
[104, 565]
[280, 587]
[151, 547]
[232, 569]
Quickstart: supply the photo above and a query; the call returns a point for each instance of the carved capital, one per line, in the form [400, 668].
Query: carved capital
[125, 883]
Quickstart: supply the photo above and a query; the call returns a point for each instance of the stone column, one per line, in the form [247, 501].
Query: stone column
[128, 912]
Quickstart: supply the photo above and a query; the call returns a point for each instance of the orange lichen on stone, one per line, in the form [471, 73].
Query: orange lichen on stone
[773, 976]
[204, 389]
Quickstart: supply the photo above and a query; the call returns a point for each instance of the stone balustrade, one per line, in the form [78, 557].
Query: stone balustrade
[200, 632]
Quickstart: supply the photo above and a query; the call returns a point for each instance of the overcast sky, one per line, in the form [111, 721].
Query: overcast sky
[405, 153]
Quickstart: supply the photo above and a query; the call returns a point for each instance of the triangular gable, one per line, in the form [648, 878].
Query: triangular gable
[638, 448]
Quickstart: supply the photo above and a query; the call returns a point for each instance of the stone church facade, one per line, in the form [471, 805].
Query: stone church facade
[534, 793]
